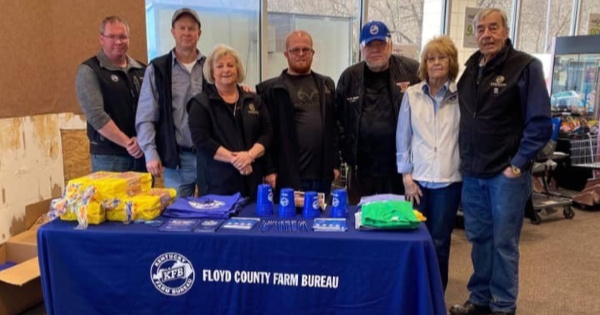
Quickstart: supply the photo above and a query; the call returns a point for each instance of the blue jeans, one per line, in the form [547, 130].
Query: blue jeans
[117, 163]
[493, 212]
[440, 206]
[183, 179]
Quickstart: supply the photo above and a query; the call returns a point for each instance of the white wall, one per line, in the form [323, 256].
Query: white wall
[31, 163]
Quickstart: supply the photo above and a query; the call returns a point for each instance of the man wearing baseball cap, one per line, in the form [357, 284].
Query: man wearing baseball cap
[368, 98]
[170, 82]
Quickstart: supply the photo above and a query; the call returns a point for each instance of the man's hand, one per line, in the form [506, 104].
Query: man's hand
[246, 88]
[508, 172]
[134, 149]
[411, 189]
[155, 168]
[271, 179]
[241, 160]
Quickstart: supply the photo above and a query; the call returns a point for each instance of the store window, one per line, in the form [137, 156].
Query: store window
[332, 24]
[404, 18]
[232, 22]
[540, 21]
[589, 21]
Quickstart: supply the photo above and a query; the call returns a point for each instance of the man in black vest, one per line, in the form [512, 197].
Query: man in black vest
[170, 82]
[304, 155]
[368, 98]
[108, 86]
[505, 121]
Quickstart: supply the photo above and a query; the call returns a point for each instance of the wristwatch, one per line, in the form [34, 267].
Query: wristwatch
[515, 170]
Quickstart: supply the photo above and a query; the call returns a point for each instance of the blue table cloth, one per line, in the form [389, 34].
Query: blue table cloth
[114, 268]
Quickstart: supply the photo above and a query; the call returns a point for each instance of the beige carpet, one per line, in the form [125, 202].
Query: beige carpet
[559, 267]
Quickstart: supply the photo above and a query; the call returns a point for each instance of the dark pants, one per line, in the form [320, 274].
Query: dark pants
[117, 163]
[439, 206]
[323, 186]
[360, 185]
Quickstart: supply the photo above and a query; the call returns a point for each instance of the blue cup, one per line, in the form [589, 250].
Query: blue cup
[311, 205]
[339, 203]
[264, 200]
[287, 208]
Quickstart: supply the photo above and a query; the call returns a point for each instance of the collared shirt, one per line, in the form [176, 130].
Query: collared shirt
[404, 132]
[185, 85]
[88, 90]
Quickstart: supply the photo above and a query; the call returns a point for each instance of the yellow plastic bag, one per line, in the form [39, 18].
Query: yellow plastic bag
[144, 206]
[112, 184]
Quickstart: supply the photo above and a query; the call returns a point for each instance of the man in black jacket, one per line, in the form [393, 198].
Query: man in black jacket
[300, 101]
[368, 98]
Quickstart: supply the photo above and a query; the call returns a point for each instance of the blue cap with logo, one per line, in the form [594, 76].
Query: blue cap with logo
[374, 30]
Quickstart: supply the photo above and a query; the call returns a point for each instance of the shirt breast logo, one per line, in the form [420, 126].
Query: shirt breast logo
[252, 110]
[114, 78]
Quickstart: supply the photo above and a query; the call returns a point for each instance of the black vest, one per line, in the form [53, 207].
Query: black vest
[166, 144]
[491, 122]
[120, 92]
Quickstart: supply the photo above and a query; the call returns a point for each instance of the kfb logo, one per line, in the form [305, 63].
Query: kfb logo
[172, 274]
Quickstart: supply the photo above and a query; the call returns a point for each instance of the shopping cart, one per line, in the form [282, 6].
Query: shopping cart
[547, 201]
[584, 152]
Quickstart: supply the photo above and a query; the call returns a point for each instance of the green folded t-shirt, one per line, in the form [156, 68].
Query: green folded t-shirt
[392, 214]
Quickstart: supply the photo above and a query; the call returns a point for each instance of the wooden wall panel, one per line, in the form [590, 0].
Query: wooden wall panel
[43, 42]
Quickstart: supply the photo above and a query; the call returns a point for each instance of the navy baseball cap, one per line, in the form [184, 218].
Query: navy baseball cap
[374, 30]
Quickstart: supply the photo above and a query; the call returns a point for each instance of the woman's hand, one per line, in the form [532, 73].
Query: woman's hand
[241, 160]
[411, 189]
[246, 170]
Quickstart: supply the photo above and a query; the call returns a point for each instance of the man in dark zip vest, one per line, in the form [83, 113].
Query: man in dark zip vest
[108, 86]
[504, 122]
[170, 82]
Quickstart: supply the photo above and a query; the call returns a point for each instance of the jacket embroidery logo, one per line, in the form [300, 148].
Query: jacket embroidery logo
[352, 99]
[252, 110]
[114, 77]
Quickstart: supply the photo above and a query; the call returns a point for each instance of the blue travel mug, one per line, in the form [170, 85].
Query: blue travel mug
[311, 205]
[287, 208]
[264, 200]
[339, 203]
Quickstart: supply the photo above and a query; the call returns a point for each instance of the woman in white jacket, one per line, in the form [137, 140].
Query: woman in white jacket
[427, 144]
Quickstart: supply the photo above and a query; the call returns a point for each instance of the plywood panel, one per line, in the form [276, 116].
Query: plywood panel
[76, 153]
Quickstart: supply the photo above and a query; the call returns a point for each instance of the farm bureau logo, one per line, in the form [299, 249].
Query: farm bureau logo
[172, 274]
[206, 204]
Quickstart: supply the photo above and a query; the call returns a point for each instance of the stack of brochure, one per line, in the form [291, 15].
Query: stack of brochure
[330, 225]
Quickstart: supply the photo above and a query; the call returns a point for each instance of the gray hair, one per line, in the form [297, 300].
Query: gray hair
[218, 52]
[485, 12]
[112, 20]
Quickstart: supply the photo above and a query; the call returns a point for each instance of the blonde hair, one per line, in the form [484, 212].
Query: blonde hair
[444, 46]
[218, 52]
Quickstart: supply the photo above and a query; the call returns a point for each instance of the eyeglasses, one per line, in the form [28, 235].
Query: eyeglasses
[440, 58]
[304, 50]
[114, 38]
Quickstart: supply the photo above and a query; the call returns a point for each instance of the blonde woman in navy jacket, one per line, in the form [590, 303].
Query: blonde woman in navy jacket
[427, 144]
[230, 128]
